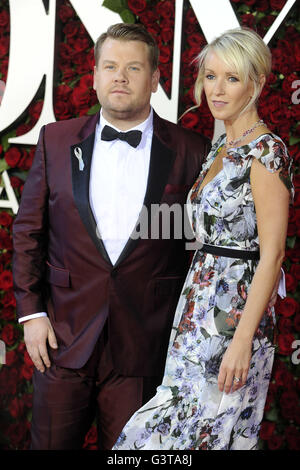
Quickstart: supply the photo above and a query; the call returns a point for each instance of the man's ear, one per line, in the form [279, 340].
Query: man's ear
[155, 80]
[94, 78]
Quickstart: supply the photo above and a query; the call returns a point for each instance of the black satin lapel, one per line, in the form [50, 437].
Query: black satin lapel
[161, 163]
[81, 183]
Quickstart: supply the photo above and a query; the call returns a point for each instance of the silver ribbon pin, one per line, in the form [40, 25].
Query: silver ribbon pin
[78, 155]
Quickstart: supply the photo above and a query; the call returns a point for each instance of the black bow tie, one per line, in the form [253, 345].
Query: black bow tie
[132, 137]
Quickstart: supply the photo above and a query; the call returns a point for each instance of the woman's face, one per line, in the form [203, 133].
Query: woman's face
[226, 95]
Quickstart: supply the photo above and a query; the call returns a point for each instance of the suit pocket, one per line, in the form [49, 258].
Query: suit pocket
[58, 276]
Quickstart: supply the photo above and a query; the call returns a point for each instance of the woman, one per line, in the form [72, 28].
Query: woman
[221, 348]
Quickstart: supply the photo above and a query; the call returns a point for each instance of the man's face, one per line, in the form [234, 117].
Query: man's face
[124, 81]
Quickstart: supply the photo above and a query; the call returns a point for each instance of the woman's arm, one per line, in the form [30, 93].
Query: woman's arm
[271, 200]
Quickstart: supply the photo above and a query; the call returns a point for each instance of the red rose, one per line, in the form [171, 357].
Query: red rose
[12, 156]
[3, 68]
[166, 22]
[27, 399]
[5, 219]
[166, 9]
[248, 20]
[289, 404]
[149, 18]
[295, 269]
[71, 29]
[65, 13]
[291, 282]
[26, 161]
[275, 442]
[285, 325]
[5, 258]
[65, 51]
[190, 17]
[167, 34]
[80, 97]
[262, 5]
[285, 342]
[15, 182]
[63, 110]
[9, 381]
[267, 429]
[165, 54]
[27, 371]
[137, 6]
[63, 92]
[22, 129]
[10, 358]
[277, 4]
[90, 59]
[196, 40]
[286, 307]
[86, 81]
[165, 70]
[4, 19]
[6, 280]
[190, 120]
[16, 434]
[16, 408]
[79, 58]
[297, 322]
[79, 44]
[9, 334]
[8, 314]
[27, 358]
[4, 46]
[35, 110]
[292, 229]
[271, 396]
[293, 437]
[5, 240]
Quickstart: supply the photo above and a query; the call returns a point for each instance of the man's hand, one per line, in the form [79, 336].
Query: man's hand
[36, 333]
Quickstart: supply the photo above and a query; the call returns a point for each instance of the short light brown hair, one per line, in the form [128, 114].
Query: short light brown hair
[129, 32]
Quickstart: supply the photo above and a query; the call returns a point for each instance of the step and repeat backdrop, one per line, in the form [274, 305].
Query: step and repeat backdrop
[46, 65]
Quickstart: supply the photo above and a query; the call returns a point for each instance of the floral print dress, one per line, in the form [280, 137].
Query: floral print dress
[188, 410]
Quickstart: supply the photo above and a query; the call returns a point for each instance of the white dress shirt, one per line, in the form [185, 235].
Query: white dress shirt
[118, 181]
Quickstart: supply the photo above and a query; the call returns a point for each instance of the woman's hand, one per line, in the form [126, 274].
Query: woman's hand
[235, 364]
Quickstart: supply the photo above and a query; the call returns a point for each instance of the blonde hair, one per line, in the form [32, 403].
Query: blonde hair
[243, 49]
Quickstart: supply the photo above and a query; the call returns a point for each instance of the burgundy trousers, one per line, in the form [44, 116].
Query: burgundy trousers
[66, 401]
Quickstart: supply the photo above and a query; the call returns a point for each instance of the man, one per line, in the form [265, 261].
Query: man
[97, 303]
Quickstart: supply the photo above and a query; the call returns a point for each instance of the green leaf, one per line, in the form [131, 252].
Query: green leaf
[3, 165]
[114, 5]
[19, 174]
[127, 16]
[294, 140]
[290, 242]
[94, 109]
[4, 140]
[272, 415]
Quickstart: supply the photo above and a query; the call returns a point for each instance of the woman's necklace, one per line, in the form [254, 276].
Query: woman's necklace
[233, 143]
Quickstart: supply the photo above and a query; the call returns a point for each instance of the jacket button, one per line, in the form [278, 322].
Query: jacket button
[113, 273]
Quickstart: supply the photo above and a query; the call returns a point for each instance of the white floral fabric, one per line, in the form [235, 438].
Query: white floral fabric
[188, 410]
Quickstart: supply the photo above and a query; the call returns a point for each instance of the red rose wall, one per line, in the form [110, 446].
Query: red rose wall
[74, 96]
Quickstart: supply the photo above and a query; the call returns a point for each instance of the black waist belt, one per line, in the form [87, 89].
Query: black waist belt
[230, 253]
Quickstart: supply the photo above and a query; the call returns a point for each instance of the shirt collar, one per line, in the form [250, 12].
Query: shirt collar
[143, 126]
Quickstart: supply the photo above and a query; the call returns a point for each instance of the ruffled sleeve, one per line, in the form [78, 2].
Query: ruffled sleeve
[272, 153]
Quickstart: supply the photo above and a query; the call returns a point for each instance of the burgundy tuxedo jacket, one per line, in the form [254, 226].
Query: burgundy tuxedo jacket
[60, 264]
